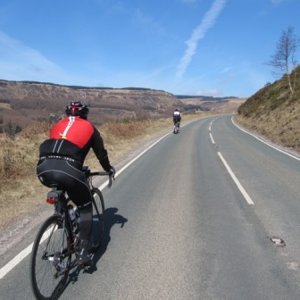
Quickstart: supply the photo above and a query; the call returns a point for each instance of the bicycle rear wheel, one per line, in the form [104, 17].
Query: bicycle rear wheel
[98, 217]
[50, 260]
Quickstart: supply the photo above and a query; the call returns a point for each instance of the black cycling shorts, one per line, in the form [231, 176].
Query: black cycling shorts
[65, 175]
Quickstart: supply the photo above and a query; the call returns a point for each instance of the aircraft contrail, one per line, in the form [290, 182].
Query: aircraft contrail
[199, 33]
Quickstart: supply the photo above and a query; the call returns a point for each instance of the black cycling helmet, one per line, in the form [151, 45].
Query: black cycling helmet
[76, 108]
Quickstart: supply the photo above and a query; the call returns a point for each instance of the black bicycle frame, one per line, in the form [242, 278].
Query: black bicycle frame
[60, 201]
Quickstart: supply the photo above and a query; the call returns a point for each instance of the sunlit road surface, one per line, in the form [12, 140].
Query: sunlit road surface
[210, 213]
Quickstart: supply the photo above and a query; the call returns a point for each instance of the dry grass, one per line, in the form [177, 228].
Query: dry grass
[20, 191]
[19, 184]
[281, 126]
[5, 106]
[275, 113]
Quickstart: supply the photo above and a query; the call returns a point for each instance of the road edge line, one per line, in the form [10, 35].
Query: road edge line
[236, 181]
[263, 141]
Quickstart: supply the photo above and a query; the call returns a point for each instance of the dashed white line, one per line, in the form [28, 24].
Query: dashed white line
[236, 181]
[234, 178]
[212, 139]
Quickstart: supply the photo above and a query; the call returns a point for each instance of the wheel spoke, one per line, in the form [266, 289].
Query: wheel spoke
[50, 260]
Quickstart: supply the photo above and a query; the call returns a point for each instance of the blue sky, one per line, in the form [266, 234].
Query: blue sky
[195, 47]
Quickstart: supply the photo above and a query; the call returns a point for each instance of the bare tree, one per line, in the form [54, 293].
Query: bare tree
[284, 58]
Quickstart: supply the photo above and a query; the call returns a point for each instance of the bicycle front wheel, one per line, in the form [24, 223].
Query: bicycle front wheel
[50, 260]
[98, 217]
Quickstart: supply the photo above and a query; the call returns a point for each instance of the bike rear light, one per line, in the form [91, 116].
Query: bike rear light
[53, 196]
[52, 200]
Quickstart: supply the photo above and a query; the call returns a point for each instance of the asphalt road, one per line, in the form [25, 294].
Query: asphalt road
[179, 225]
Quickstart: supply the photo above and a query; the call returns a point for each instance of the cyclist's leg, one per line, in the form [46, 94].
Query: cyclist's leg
[85, 229]
[79, 192]
[81, 196]
[70, 176]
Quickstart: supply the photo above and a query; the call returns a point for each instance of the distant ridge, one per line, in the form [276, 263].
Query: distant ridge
[205, 98]
[25, 102]
[76, 86]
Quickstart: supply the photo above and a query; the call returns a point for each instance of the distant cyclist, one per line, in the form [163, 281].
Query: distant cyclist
[61, 160]
[176, 117]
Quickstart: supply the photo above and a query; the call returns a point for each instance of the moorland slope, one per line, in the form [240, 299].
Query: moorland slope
[24, 102]
[274, 112]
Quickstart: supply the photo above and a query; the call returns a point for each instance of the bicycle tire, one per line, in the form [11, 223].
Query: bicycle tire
[98, 218]
[50, 261]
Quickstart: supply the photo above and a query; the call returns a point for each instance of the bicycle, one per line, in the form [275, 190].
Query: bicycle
[53, 251]
[176, 127]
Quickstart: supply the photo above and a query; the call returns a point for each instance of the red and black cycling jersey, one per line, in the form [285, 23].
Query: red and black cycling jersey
[73, 137]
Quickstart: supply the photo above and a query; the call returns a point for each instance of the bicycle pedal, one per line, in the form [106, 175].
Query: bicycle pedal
[95, 247]
[88, 264]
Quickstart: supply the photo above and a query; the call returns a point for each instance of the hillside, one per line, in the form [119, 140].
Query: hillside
[275, 113]
[24, 102]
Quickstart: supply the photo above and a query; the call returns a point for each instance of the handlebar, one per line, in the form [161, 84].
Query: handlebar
[91, 174]
[97, 174]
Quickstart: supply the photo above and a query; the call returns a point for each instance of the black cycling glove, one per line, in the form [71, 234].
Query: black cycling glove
[112, 171]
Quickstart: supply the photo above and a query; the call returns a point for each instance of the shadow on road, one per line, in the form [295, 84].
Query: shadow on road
[111, 218]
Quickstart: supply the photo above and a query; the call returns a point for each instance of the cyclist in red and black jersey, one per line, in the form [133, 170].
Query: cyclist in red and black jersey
[61, 160]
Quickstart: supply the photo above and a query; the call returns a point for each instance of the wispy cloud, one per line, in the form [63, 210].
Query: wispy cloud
[20, 62]
[198, 34]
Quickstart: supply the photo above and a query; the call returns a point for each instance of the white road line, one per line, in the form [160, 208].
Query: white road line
[19, 257]
[212, 139]
[236, 181]
[261, 140]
